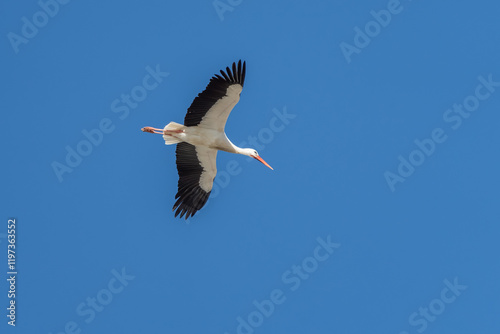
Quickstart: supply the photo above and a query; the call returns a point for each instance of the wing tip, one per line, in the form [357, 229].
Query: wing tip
[234, 74]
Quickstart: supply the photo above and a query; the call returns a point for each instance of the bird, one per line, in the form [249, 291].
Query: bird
[200, 138]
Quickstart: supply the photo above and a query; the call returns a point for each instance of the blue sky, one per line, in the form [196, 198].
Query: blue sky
[380, 119]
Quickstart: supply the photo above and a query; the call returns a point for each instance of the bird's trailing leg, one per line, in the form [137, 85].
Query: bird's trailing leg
[152, 130]
[160, 131]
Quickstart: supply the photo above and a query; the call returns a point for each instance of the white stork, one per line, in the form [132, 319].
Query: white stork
[201, 136]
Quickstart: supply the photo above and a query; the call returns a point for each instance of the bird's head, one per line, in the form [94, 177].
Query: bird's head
[254, 154]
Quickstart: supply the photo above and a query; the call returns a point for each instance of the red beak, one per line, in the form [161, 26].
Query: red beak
[262, 160]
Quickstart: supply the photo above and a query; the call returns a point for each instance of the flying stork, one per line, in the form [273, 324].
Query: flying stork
[201, 136]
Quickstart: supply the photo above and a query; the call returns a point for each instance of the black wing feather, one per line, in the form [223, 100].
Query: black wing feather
[235, 73]
[229, 73]
[190, 196]
[214, 91]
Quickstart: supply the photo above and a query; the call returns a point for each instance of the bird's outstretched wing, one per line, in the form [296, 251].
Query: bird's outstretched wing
[211, 108]
[197, 168]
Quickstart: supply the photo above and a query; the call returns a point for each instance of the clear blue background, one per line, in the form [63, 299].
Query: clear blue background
[352, 121]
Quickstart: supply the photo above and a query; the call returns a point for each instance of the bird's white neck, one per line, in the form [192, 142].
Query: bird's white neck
[236, 149]
[244, 151]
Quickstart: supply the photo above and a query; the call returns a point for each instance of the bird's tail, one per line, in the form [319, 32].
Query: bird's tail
[171, 132]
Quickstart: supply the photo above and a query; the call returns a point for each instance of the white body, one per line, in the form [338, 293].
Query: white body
[198, 136]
